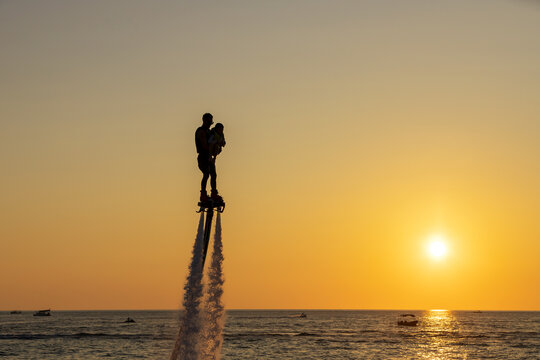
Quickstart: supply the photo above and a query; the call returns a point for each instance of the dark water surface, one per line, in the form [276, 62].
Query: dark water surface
[277, 335]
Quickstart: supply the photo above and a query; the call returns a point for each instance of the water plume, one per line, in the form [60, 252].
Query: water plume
[214, 310]
[186, 346]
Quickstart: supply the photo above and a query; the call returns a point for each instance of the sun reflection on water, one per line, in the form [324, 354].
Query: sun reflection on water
[440, 329]
[438, 318]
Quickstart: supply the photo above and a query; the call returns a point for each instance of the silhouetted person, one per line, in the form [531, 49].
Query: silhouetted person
[216, 141]
[207, 162]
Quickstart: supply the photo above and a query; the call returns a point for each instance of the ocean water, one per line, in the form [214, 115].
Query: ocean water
[277, 335]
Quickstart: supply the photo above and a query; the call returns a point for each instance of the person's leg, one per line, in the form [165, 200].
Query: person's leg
[213, 176]
[204, 181]
[213, 179]
[204, 167]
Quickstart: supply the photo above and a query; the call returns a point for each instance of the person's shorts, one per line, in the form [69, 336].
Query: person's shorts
[205, 164]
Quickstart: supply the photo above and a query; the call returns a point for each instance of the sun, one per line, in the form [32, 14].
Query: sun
[437, 246]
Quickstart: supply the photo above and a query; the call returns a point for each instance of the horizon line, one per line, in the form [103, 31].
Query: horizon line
[283, 309]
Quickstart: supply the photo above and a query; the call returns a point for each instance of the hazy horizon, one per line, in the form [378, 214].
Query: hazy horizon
[279, 309]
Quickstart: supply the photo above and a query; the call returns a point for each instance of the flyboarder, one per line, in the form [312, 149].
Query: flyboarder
[209, 144]
[207, 155]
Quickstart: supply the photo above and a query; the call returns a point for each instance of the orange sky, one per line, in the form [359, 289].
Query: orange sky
[355, 130]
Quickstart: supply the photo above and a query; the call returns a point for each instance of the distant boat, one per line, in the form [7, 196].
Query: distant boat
[477, 312]
[129, 320]
[16, 312]
[43, 312]
[301, 315]
[407, 320]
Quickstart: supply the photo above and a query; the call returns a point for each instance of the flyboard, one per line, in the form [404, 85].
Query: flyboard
[209, 207]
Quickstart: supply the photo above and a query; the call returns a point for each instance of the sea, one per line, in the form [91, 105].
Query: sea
[277, 334]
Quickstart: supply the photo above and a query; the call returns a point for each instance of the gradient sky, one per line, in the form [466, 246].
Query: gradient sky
[355, 130]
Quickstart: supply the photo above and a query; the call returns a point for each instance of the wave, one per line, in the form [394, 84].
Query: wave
[83, 335]
[327, 334]
[306, 334]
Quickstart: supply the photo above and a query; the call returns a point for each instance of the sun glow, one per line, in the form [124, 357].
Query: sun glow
[437, 246]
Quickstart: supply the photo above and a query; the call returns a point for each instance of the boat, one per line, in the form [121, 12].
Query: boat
[301, 315]
[43, 312]
[129, 320]
[15, 312]
[407, 320]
